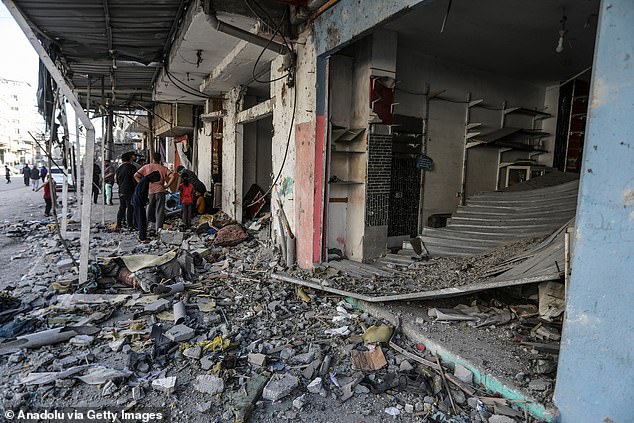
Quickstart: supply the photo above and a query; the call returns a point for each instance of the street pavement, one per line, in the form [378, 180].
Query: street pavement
[18, 202]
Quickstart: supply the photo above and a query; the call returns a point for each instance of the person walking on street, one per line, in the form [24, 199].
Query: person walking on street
[35, 178]
[26, 172]
[96, 182]
[109, 182]
[43, 173]
[7, 173]
[186, 190]
[124, 176]
[140, 200]
[156, 206]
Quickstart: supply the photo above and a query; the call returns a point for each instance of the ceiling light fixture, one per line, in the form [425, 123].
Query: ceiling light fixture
[562, 33]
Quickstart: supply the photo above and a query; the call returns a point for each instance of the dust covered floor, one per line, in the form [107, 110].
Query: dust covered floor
[241, 328]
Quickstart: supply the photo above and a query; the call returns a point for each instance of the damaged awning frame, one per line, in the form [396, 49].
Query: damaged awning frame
[86, 203]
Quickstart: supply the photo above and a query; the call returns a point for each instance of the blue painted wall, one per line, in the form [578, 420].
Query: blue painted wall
[596, 365]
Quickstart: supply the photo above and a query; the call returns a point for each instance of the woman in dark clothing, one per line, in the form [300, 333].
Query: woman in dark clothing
[140, 200]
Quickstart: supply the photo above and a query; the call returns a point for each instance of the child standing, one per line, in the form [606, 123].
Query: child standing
[187, 200]
[49, 195]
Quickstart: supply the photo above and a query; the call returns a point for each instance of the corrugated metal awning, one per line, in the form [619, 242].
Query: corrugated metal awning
[122, 42]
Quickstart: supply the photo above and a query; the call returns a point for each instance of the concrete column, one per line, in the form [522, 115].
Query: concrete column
[232, 166]
[596, 364]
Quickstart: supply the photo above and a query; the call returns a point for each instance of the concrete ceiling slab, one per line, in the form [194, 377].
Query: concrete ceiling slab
[512, 37]
[225, 61]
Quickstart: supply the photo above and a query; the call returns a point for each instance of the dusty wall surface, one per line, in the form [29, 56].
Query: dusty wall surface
[446, 121]
[295, 188]
[232, 156]
[204, 156]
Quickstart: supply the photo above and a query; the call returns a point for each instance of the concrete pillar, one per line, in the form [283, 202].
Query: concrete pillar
[596, 364]
[232, 156]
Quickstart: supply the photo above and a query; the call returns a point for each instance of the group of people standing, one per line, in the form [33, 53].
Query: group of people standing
[33, 176]
[143, 191]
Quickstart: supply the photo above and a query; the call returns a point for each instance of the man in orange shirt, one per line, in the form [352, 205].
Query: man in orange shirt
[156, 206]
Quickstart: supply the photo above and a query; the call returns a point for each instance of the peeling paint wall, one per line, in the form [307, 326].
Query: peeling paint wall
[296, 184]
[232, 156]
[204, 171]
[349, 19]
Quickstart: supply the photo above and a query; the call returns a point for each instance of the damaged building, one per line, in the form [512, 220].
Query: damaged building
[414, 209]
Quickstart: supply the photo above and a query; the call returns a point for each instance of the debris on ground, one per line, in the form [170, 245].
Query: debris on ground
[194, 321]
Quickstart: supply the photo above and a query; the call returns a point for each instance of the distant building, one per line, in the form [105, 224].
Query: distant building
[18, 117]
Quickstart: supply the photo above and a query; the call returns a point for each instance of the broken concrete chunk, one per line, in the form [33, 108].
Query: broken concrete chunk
[342, 331]
[280, 386]
[158, 306]
[167, 384]
[65, 264]
[406, 366]
[305, 358]
[463, 374]
[108, 389]
[172, 237]
[539, 385]
[209, 384]
[137, 393]
[315, 386]
[300, 402]
[500, 419]
[100, 375]
[180, 333]
[257, 359]
[203, 407]
[82, 340]
[117, 344]
[193, 352]
[206, 362]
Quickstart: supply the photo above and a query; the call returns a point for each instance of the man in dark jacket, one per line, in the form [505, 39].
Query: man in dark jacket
[26, 172]
[96, 182]
[140, 200]
[124, 177]
[35, 178]
[43, 173]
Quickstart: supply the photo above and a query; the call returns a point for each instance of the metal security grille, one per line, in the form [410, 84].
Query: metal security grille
[378, 188]
[404, 196]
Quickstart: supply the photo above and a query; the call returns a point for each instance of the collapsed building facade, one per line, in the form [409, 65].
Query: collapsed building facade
[368, 127]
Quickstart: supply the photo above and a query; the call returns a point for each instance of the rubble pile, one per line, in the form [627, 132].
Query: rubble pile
[194, 323]
[420, 273]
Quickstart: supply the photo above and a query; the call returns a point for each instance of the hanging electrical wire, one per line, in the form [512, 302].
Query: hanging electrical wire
[255, 65]
[272, 22]
[288, 143]
[180, 84]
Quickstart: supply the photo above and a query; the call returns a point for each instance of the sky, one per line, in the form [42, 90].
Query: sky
[23, 62]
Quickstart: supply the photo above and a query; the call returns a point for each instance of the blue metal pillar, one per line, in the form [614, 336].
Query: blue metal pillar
[596, 366]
